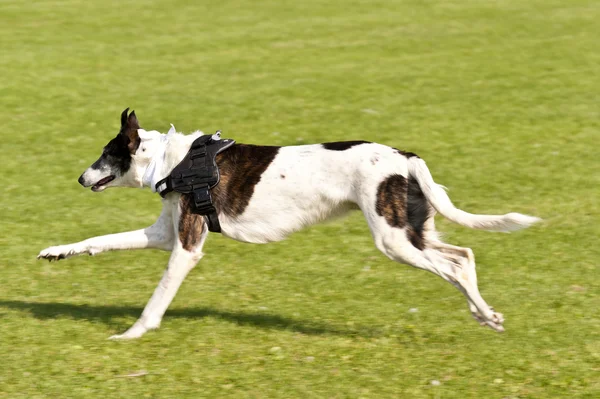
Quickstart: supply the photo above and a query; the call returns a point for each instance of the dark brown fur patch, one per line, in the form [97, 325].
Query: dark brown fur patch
[241, 167]
[418, 211]
[403, 204]
[191, 224]
[342, 145]
[391, 200]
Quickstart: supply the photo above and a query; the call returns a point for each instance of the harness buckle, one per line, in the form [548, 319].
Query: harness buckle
[203, 199]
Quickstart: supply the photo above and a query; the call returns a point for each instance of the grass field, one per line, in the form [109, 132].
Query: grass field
[500, 97]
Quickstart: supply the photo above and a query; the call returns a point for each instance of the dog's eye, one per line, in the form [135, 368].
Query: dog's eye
[143, 149]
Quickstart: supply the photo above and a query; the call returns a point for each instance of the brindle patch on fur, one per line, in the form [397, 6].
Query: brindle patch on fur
[240, 167]
[391, 200]
[342, 145]
[191, 224]
[403, 204]
[418, 211]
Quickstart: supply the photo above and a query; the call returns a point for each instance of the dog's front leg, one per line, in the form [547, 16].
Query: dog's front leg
[186, 253]
[160, 235]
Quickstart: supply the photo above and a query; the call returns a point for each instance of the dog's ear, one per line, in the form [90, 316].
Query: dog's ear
[132, 121]
[129, 122]
[124, 118]
[129, 129]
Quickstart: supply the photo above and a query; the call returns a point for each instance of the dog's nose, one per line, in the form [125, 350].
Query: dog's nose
[80, 180]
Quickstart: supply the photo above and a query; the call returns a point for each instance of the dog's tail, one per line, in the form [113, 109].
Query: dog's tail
[437, 197]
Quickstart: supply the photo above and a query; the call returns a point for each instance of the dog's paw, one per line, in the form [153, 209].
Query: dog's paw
[494, 319]
[59, 252]
[495, 322]
[136, 331]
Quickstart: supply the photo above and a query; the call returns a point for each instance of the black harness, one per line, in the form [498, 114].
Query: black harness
[197, 174]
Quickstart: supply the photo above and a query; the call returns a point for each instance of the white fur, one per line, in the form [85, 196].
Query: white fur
[438, 198]
[153, 173]
[303, 185]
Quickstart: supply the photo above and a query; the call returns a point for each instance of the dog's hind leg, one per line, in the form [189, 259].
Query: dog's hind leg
[159, 236]
[466, 259]
[401, 221]
[192, 232]
[395, 244]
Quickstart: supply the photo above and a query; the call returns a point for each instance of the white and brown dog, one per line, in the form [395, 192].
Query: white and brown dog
[266, 193]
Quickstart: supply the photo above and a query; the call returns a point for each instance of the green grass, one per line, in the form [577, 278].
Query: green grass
[500, 97]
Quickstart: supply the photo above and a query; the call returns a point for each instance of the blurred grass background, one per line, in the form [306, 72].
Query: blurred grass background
[501, 99]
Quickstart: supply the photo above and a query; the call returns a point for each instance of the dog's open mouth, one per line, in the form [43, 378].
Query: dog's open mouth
[100, 185]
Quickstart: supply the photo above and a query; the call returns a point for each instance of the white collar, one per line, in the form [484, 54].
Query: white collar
[154, 169]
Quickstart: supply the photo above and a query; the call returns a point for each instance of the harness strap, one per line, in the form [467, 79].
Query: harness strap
[196, 175]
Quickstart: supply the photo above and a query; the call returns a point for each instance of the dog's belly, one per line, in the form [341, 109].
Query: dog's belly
[270, 225]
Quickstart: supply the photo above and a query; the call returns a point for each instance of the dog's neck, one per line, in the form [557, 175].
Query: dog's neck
[170, 151]
[154, 168]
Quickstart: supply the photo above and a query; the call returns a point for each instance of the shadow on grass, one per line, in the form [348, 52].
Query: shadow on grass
[108, 314]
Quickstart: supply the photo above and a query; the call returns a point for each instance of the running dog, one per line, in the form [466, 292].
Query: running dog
[266, 193]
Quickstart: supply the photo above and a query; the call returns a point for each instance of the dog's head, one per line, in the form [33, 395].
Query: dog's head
[123, 160]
